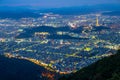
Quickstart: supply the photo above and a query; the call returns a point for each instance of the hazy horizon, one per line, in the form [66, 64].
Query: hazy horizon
[54, 3]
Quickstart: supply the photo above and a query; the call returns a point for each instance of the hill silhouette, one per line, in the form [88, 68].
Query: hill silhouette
[17, 69]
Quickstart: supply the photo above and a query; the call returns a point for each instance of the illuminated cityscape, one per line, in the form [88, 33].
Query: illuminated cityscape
[59, 39]
[65, 43]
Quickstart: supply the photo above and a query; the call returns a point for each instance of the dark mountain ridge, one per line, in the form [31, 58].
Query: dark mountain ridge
[106, 69]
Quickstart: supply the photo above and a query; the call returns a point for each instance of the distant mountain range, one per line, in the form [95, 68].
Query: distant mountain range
[106, 69]
[23, 11]
[84, 9]
[112, 13]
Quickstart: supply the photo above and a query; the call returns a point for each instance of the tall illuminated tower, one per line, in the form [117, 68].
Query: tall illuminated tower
[97, 21]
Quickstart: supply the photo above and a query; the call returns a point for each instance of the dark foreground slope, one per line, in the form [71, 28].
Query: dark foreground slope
[105, 69]
[16, 69]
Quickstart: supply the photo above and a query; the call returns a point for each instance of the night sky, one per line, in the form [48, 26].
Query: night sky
[55, 3]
